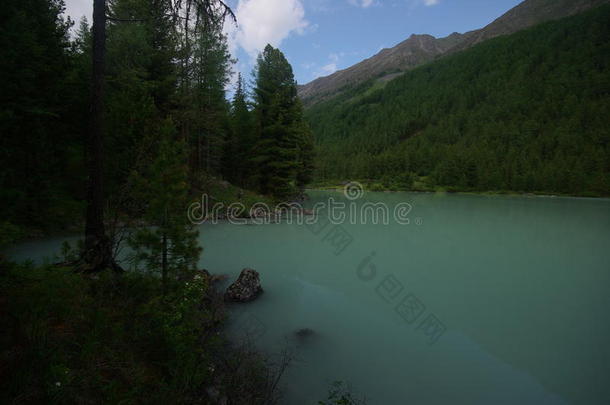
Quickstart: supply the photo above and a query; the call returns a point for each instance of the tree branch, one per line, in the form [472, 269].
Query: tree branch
[126, 19]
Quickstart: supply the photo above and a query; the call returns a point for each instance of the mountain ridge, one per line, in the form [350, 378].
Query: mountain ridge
[419, 49]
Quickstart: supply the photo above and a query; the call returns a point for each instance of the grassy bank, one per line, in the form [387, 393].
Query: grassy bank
[423, 185]
[223, 193]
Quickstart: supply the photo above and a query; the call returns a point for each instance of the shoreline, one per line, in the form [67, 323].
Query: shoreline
[339, 188]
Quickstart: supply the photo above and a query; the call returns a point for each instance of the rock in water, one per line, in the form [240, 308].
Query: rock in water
[304, 333]
[246, 288]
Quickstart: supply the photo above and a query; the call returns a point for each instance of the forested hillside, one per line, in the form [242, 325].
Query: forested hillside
[526, 112]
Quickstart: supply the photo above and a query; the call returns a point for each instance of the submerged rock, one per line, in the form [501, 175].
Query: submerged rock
[304, 333]
[246, 288]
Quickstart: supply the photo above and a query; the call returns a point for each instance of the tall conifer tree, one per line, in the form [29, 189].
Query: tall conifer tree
[280, 124]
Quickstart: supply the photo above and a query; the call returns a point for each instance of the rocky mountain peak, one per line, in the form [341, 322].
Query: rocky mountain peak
[422, 48]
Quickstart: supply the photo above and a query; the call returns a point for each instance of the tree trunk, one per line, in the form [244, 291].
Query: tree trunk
[164, 264]
[98, 248]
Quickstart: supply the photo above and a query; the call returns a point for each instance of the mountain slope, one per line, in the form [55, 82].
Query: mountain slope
[525, 112]
[420, 49]
[525, 15]
[416, 50]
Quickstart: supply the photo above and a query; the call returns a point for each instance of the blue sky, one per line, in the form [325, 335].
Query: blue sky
[321, 36]
[342, 32]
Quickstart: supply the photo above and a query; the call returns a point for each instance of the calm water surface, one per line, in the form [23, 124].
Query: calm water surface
[478, 300]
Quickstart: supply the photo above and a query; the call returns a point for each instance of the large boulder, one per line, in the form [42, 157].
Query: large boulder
[246, 288]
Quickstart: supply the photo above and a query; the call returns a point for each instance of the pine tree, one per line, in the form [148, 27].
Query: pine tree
[168, 244]
[238, 165]
[35, 59]
[141, 79]
[280, 127]
[209, 117]
[305, 149]
[161, 68]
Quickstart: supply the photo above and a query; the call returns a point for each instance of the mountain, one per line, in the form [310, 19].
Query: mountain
[420, 49]
[416, 50]
[525, 112]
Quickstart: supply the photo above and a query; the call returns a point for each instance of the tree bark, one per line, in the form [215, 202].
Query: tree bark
[98, 248]
[164, 263]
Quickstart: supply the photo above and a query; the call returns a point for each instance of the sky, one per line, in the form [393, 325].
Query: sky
[319, 37]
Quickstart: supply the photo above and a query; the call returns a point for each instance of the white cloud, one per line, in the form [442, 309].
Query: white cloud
[328, 69]
[331, 67]
[319, 6]
[335, 56]
[263, 22]
[417, 3]
[363, 3]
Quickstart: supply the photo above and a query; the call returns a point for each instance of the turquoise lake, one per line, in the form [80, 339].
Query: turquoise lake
[477, 300]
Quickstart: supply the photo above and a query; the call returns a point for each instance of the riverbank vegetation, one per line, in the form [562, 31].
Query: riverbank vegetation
[120, 339]
[525, 113]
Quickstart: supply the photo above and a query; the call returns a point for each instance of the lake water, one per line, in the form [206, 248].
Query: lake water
[477, 300]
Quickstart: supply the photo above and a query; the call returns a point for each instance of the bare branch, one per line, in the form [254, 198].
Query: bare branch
[125, 19]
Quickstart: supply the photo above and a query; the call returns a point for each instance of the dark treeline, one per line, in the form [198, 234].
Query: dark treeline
[165, 88]
[527, 112]
[169, 133]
